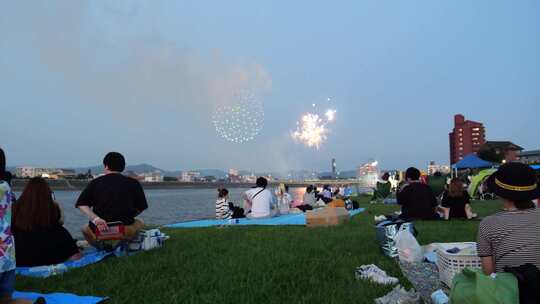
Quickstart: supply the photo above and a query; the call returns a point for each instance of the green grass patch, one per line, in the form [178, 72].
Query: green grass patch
[255, 264]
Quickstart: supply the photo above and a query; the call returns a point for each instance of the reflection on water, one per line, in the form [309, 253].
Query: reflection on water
[164, 206]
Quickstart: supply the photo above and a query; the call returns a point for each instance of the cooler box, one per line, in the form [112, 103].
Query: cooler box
[326, 217]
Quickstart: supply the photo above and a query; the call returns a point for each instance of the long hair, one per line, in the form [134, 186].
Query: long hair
[2, 164]
[456, 188]
[35, 208]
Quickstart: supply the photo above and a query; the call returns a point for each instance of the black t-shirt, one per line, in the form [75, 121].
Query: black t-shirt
[114, 197]
[456, 204]
[43, 245]
[417, 201]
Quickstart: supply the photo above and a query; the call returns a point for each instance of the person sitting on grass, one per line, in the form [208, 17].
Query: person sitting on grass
[510, 238]
[258, 201]
[456, 202]
[284, 199]
[112, 197]
[325, 195]
[309, 196]
[416, 199]
[382, 188]
[222, 205]
[7, 254]
[40, 238]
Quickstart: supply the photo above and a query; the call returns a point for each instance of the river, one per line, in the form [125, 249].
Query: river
[165, 206]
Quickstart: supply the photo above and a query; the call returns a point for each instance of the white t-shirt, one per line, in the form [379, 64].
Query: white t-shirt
[261, 203]
[309, 198]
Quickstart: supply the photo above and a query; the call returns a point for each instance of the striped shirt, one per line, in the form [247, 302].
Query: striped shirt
[222, 210]
[512, 238]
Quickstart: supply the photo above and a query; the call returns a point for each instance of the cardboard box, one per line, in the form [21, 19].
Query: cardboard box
[326, 217]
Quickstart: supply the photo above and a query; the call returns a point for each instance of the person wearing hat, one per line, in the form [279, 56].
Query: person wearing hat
[510, 238]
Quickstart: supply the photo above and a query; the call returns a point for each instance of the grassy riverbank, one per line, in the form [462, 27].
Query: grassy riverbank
[254, 264]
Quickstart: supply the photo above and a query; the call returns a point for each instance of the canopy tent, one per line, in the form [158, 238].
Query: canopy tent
[478, 179]
[472, 161]
[535, 167]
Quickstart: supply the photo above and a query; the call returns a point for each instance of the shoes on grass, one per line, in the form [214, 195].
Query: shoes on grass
[375, 274]
[379, 218]
[399, 295]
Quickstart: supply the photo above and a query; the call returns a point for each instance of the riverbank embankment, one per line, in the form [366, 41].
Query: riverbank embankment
[78, 185]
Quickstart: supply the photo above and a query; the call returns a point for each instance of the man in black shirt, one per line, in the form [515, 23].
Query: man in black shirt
[416, 199]
[112, 197]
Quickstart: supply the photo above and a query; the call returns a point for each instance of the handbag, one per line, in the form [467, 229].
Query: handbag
[387, 231]
[474, 287]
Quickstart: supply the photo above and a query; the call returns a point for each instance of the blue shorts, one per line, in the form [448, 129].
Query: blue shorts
[7, 283]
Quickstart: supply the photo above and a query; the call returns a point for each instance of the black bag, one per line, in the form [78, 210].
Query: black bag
[305, 208]
[528, 277]
[237, 212]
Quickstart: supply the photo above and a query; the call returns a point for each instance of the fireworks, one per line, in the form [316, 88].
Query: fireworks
[240, 121]
[312, 129]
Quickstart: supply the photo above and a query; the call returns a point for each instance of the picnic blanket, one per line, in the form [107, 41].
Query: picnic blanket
[423, 276]
[88, 258]
[59, 298]
[287, 219]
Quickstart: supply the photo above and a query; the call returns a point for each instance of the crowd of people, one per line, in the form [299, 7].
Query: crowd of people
[32, 232]
[31, 226]
[260, 202]
[507, 239]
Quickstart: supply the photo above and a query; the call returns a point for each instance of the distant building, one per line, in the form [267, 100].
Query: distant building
[190, 176]
[529, 157]
[368, 174]
[133, 175]
[334, 168]
[234, 176]
[433, 167]
[66, 173]
[153, 177]
[29, 172]
[251, 179]
[466, 137]
[509, 150]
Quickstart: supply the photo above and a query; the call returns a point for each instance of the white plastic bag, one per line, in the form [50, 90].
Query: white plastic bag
[408, 248]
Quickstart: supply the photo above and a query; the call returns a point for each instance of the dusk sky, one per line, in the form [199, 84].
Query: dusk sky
[81, 78]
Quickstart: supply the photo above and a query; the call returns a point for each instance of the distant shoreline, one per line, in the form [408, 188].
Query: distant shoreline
[78, 185]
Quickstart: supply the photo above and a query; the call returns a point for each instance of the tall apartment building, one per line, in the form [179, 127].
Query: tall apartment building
[466, 138]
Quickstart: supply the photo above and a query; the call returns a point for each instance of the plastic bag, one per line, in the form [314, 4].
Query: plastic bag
[408, 248]
[474, 287]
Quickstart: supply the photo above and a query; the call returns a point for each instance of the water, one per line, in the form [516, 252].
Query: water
[164, 206]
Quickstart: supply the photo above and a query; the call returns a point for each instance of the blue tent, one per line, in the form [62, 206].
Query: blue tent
[535, 167]
[472, 161]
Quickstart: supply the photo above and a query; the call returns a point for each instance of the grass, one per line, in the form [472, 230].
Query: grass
[254, 264]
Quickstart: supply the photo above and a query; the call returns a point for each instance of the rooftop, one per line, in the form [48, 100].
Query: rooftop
[530, 153]
[503, 145]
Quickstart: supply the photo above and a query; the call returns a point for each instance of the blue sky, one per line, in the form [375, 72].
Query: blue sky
[79, 78]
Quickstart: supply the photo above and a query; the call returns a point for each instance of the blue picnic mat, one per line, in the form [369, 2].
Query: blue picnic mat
[59, 298]
[46, 271]
[288, 219]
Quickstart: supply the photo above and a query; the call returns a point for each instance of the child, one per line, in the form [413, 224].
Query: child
[223, 211]
[284, 199]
